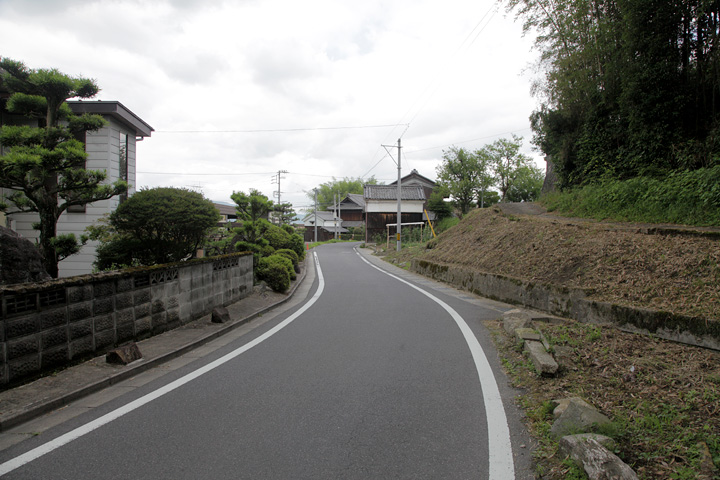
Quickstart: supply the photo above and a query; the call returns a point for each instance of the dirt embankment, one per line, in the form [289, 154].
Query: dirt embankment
[628, 264]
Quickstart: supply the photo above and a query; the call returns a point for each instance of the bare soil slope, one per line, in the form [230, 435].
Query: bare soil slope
[627, 264]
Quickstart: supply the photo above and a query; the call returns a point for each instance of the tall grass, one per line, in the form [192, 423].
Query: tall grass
[683, 197]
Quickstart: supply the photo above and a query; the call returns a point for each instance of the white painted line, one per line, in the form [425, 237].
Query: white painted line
[48, 447]
[501, 466]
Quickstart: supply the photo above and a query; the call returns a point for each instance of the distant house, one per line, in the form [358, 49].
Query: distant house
[228, 213]
[381, 207]
[352, 210]
[327, 225]
[113, 149]
[414, 178]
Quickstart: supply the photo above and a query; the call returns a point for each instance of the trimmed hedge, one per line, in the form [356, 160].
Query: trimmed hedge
[276, 270]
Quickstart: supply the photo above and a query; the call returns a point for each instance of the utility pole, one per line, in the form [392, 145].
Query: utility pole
[399, 195]
[399, 200]
[276, 179]
[315, 190]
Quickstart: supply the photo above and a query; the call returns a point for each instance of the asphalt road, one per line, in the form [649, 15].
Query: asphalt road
[369, 376]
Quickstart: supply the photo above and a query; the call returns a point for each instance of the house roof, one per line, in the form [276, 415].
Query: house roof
[333, 229]
[356, 198]
[414, 175]
[116, 110]
[323, 215]
[228, 210]
[389, 192]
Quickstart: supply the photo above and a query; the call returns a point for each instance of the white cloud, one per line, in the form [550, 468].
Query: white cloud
[451, 69]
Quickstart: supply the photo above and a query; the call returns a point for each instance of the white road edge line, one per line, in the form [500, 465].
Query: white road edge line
[501, 466]
[48, 447]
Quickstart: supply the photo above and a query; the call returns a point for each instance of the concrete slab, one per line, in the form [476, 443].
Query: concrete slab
[544, 362]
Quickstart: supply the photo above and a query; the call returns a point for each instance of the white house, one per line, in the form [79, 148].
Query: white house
[113, 149]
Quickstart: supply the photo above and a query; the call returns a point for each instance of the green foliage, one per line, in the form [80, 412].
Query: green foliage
[458, 175]
[511, 168]
[251, 206]
[276, 237]
[687, 197]
[293, 257]
[43, 167]
[527, 184]
[338, 188]
[284, 212]
[437, 203]
[157, 225]
[629, 87]
[445, 224]
[276, 271]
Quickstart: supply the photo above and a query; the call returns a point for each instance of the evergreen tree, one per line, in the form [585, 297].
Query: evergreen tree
[44, 166]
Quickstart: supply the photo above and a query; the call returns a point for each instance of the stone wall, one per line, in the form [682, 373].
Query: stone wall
[576, 304]
[46, 325]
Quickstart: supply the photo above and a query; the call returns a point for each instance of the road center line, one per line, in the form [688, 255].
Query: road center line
[501, 466]
[48, 447]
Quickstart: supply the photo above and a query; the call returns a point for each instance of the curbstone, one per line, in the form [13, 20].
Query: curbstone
[598, 462]
[544, 363]
[514, 319]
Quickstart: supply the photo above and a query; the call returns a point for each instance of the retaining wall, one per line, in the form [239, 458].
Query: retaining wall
[45, 325]
[575, 304]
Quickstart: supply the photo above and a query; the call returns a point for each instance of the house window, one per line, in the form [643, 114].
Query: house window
[123, 162]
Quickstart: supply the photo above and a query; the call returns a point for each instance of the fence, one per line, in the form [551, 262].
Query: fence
[45, 325]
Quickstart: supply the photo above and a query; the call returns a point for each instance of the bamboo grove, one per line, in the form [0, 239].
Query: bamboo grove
[627, 87]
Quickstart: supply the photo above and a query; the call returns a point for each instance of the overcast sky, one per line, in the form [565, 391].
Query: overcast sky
[238, 90]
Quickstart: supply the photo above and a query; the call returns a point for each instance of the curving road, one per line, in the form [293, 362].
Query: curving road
[372, 375]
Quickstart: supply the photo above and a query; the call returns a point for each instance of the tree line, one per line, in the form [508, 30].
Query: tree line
[629, 87]
[496, 172]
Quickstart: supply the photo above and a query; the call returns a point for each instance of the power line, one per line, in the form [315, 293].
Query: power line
[271, 130]
[464, 141]
[225, 174]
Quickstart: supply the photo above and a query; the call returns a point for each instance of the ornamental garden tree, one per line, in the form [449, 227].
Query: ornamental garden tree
[44, 165]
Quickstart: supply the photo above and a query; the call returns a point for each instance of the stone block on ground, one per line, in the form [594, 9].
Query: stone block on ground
[598, 462]
[562, 404]
[124, 355]
[527, 334]
[544, 363]
[220, 315]
[514, 319]
[577, 418]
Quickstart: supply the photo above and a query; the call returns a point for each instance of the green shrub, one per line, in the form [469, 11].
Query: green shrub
[276, 270]
[286, 252]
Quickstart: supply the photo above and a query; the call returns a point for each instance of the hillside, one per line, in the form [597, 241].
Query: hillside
[672, 269]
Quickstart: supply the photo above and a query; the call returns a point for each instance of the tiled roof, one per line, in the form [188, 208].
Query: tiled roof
[389, 192]
[357, 199]
[414, 175]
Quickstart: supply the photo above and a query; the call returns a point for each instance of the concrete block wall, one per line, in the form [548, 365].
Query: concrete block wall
[46, 325]
[576, 304]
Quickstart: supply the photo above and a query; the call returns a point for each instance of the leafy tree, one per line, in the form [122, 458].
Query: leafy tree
[506, 160]
[154, 226]
[338, 188]
[485, 181]
[527, 184]
[45, 165]
[437, 203]
[459, 175]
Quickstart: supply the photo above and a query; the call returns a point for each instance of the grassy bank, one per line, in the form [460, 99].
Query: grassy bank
[684, 197]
